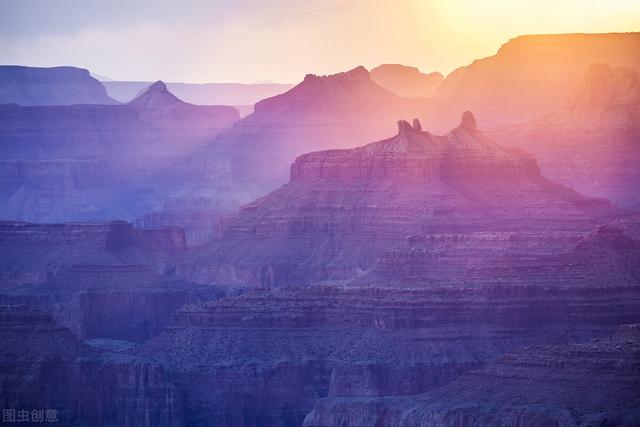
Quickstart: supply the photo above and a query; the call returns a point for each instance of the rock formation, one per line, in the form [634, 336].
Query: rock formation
[235, 94]
[44, 367]
[343, 208]
[99, 280]
[104, 162]
[266, 356]
[593, 143]
[50, 86]
[591, 383]
[337, 111]
[406, 81]
[533, 75]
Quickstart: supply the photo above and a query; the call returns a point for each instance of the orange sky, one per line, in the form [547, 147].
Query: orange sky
[282, 40]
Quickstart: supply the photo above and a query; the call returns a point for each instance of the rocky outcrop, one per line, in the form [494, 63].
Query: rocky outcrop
[590, 144]
[406, 81]
[343, 209]
[157, 106]
[533, 75]
[50, 86]
[592, 383]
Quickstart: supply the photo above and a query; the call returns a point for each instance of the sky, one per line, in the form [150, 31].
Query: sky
[282, 40]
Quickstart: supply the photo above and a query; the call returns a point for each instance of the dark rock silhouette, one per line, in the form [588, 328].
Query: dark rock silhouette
[50, 86]
[234, 94]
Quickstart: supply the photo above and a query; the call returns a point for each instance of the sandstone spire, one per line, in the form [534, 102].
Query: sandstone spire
[468, 121]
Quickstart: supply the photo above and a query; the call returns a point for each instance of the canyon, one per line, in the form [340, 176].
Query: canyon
[107, 280]
[537, 385]
[323, 261]
[104, 162]
[363, 354]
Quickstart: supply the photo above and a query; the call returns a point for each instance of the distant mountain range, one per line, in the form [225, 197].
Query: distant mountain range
[242, 95]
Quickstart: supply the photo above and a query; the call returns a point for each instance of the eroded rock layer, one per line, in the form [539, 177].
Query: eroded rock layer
[592, 383]
[43, 366]
[342, 209]
[100, 280]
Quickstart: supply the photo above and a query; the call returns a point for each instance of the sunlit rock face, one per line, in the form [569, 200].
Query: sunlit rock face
[406, 81]
[592, 143]
[336, 111]
[342, 209]
[104, 162]
[591, 383]
[533, 75]
[50, 86]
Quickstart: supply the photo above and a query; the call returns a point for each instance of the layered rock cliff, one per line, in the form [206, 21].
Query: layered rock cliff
[47, 372]
[50, 86]
[99, 280]
[593, 383]
[343, 208]
[266, 357]
[593, 142]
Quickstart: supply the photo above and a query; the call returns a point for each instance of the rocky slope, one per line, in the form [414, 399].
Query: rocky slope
[533, 75]
[406, 81]
[594, 383]
[593, 142]
[104, 162]
[50, 86]
[343, 209]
